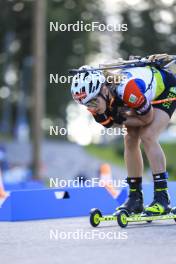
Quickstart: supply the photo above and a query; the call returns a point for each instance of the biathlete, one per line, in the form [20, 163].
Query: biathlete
[144, 122]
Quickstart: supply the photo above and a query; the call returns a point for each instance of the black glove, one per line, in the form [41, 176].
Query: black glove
[119, 119]
[115, 112]
[104, 120]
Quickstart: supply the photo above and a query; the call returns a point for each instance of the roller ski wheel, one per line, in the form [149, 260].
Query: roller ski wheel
[95, 215]
[122, 218]
[149, 221]
[173, 211]
[148, 214]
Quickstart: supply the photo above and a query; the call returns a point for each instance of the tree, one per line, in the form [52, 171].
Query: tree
[150, 30]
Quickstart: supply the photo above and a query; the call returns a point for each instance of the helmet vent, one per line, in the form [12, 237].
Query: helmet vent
[98, 83]
[86, 74]
[90, 86]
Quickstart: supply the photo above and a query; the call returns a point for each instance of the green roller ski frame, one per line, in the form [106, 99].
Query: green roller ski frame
[123, 217]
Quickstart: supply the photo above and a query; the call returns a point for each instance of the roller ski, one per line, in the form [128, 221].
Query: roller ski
[123, 217]
[159, 209]
[133, 210]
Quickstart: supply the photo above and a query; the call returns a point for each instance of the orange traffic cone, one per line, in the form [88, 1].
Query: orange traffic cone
[106, 179]
[3, 194]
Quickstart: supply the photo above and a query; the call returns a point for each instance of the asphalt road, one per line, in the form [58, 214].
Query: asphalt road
[73, 240]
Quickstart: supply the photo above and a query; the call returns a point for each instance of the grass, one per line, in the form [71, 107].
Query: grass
[114, 155]
[170, 152]
[105, 153]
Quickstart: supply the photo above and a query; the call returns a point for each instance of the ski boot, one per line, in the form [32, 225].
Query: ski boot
[160, 204]
[134, 202]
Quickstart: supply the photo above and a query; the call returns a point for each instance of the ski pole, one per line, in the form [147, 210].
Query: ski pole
[163, 101]
[122, 65]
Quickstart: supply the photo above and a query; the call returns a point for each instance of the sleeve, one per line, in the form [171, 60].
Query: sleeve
[103, 119]
[134, 96]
